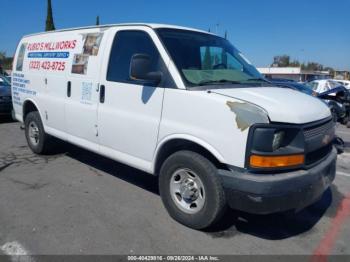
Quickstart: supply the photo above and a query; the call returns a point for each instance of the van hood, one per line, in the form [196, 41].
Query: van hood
[281, 104]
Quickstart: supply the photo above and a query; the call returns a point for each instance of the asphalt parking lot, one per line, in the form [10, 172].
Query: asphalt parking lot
[76, 202]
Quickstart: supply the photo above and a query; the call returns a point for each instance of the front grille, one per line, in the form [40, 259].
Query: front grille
[317, 155]
[318, 141]
[323, 128]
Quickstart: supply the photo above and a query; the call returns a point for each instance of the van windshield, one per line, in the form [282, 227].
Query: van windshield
[205, 59]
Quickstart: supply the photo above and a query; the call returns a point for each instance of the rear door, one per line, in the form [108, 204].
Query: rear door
[130, 111]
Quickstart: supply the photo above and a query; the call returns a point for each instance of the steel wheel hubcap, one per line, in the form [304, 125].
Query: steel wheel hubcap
[187, 191]
[33, 132]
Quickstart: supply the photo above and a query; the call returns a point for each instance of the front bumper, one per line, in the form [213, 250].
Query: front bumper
[270, 193]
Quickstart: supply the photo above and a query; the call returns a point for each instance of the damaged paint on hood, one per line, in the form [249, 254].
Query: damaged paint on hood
[247, 114]
[281, 104]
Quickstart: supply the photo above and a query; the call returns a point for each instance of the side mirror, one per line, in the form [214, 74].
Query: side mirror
[140, 69]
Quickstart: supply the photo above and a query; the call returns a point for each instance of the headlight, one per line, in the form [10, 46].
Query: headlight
[275, 146]
[277, 140]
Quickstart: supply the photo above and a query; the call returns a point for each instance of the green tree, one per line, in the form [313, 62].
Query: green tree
[294, 63]
[2, 56]
[312, 66]
[207, 59]
[8, 63]
[330, 70]
[285, 61]
[98, 20]
[5, 62]
[281, 61]
[50, 26]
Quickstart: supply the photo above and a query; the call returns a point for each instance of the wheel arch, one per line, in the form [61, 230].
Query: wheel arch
[174, 143]
[29, 105]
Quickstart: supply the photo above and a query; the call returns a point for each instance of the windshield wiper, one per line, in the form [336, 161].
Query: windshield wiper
[257, 79]
[221, 81]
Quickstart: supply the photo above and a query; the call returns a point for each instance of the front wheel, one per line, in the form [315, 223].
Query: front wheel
[191, 190]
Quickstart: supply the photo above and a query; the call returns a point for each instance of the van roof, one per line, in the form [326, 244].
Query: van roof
[151, 25]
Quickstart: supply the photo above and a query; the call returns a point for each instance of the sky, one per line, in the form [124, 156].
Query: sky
[307, 30]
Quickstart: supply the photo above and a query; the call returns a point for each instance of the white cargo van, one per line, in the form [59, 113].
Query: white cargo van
[181, 104]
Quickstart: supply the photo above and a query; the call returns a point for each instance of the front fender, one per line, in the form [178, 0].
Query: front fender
[190, 138]
[29, 100]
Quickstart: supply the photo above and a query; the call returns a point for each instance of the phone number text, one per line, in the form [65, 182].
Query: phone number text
[47, 65]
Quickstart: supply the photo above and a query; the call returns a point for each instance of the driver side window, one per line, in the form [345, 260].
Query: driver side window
[128, 43]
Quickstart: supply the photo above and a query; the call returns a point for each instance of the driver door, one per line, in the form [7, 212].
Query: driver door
[130, 111]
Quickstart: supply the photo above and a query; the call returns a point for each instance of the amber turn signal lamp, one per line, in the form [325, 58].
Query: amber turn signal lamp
[276, 161]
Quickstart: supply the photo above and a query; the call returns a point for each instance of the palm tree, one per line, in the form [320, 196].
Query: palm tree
[50, 26]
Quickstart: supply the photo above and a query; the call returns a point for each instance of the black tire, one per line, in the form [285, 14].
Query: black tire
[215, 203]
[345, 121]
[44, 144]
[13, 115]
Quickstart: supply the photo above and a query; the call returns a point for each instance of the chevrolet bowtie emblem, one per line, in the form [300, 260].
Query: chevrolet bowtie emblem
[326, 139]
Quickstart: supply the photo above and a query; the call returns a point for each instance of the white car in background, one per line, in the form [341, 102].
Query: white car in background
[345, 83]
[320, 86]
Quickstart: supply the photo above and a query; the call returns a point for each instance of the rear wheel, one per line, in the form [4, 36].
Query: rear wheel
[38, 141]
[13, 115]
[191, 190]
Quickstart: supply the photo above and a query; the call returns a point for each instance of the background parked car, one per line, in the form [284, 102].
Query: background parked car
[320, 86]
[8, 78]
[5, 96]
[294, 85]
[337, 98]
[345, 83]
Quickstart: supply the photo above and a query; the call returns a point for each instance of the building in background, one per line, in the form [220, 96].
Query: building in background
[342, 75]
[293, 73]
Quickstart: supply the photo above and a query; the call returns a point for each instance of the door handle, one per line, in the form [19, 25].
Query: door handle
[69, 88]
[102, 94]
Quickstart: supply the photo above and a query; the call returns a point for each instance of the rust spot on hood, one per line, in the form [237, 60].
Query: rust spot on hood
[247, 114]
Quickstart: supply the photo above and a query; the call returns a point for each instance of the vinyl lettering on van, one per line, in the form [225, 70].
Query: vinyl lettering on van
[20, 86]
[53, 51]
[49, 46]
[48, 55]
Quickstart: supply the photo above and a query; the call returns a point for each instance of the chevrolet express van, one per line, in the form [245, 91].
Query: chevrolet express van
[182, 104]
